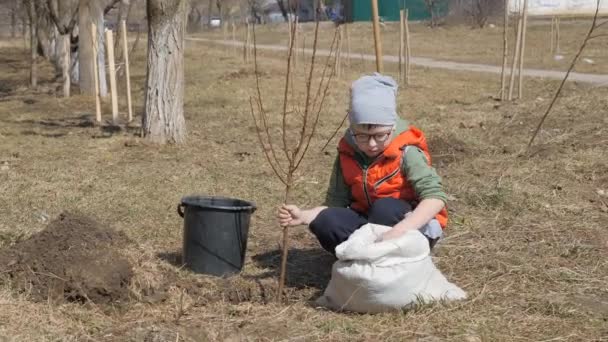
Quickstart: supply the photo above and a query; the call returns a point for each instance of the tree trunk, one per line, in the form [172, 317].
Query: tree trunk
[163, 119]
[33, 44]
[209, 11]
[14, 10]
[89, 12]
[283, 9]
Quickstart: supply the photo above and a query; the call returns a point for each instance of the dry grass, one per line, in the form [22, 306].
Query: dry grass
[527, 241]
[460, 43]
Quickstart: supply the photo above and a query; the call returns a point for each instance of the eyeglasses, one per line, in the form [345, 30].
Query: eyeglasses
[363, 138]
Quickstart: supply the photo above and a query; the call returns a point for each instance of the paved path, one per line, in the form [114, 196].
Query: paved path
[594, 79]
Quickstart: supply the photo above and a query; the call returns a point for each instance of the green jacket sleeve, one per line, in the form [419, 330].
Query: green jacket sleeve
[423, 178]
[338, 193]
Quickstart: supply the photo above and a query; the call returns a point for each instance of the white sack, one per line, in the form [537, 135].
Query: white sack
[384, 276]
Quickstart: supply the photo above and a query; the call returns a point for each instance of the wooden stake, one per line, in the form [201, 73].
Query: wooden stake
[112, 70]
[125, 46]
[295, 44]
[96, 74]
[246, 46]
[66, 66]
[234, 37]
[552, 35]
[401, 46]
[377, 38]
[515, 56]
[289, 23]
[347, 36]
[557, 22]
[408, 52]
[337, 65]
[520, 90]
[505, 51]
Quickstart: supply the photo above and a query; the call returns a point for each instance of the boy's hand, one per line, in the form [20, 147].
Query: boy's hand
[290, 215]
[394, 233]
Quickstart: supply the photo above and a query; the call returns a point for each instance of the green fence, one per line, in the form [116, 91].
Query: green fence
[361, 10]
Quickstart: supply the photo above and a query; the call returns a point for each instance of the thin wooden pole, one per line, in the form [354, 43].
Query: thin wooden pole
[285, 244]
[112, 70]
[295, 44]
[552, 34]
[250, 43]
[377, 38]
[289, 23]
[337, 65]
[408, 52]
[125, 47]
[66, 66]
[505, 52]
[515, 56]
[246, 45]
[520, 90]
[557, 22]
[96, 74]
[348, 51]
[234, 38]
[401, 45]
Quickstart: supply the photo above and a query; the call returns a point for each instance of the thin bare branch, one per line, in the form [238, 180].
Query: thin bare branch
[63, 30]
[598, 36]
[318, 114]
[561, 86]
[285, 101]
[601, 24]
[260, 103]
[303, 132]
[264, 149]
[335, 132]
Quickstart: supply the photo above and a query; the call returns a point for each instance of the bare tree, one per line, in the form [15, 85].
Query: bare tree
[163, 119]
[304, 115]
[283, 9]
[434, 7]
[479, 11]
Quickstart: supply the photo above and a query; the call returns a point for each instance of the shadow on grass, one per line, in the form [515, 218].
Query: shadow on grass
[173, 258]
[306, 268]
[107, 128]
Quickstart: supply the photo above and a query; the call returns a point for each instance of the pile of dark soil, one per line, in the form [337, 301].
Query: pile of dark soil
[73, 259]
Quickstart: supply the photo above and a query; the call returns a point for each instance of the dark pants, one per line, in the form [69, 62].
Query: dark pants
[334, 225]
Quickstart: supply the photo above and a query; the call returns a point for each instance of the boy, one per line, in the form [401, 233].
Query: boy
[382, 174]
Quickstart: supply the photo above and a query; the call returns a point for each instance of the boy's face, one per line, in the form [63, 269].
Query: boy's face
[372, 139]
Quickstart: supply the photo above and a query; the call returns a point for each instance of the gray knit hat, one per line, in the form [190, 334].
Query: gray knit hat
[373, 100]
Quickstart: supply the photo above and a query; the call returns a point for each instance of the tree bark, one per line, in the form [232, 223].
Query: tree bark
[14, 10]
[89, 12]
[163, 119]
[33, 44]
[283, 9]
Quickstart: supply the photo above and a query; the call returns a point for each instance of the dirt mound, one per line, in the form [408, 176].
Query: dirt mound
[72, 259]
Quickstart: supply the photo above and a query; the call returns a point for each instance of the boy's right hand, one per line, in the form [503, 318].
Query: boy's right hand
[290, 215]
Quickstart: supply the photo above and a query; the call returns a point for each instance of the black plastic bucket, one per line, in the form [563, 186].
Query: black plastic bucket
[215, 233]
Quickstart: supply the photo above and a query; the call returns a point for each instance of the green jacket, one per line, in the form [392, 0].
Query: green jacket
[423, 178]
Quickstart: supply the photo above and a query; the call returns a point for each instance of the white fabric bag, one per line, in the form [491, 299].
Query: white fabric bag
[372, 276]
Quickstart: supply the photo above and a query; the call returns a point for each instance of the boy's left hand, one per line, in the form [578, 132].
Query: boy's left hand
[395, 232]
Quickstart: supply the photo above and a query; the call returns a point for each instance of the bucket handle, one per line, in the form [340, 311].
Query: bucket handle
[180, 209]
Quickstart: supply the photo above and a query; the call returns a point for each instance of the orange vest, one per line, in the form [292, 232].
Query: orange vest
[383, 178]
